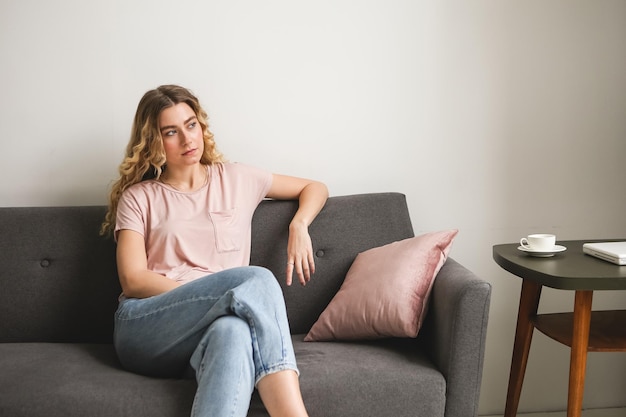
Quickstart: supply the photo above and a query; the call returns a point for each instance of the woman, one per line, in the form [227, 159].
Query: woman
[181, 217]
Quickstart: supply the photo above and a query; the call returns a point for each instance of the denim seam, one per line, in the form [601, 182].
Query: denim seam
[282, 338]
[236, 399]
[256, 351]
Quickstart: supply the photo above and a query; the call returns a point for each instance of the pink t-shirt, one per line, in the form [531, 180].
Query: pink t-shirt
[192, 234]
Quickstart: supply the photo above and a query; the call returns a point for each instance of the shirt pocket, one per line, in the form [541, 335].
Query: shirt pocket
[227, 237]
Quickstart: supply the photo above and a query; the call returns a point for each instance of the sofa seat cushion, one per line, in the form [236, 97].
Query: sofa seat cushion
[382, 378]
[390, 377]
[67, 380]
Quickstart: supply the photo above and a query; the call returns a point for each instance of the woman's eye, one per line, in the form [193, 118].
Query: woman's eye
[170, 133]
[192, 125]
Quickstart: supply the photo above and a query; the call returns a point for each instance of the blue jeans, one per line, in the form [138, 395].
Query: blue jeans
[230, 328]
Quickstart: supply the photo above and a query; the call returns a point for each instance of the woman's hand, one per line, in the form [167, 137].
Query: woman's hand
[311, 196]
[299, 254]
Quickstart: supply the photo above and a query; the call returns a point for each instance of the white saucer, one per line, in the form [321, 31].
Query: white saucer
[543, 253]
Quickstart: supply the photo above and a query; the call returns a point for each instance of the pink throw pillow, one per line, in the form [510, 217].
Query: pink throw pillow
[386, 290]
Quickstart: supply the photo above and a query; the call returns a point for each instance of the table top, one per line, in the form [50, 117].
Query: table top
[568, 270]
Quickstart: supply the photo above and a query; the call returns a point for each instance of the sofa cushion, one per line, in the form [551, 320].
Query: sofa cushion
[381, 378]
[77, 380]
[385, 293]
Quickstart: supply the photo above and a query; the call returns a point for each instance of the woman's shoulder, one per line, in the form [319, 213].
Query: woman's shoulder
[141, 190]
[245, 179]
[142, 186]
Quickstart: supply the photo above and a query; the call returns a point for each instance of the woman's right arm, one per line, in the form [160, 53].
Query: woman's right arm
[136, 279]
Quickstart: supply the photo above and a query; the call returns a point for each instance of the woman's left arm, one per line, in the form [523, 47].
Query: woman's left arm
[312, 196]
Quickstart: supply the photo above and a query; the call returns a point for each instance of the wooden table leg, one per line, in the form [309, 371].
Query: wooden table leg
[529, 302]
[578, 359]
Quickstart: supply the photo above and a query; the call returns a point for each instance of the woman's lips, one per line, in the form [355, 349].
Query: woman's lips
[190, 152]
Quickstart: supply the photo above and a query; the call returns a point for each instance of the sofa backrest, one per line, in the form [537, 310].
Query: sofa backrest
[346, 226]
[58, 281]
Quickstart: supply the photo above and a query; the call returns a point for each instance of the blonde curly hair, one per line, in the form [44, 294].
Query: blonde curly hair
[145, 157]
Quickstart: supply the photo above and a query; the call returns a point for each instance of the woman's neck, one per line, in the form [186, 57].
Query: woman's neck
[186, 180]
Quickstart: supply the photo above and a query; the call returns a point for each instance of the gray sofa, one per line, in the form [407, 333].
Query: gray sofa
[59, 288]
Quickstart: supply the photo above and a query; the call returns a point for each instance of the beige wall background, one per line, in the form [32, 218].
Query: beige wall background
[499, 118]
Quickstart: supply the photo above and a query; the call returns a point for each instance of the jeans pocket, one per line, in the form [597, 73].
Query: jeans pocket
[227, 235]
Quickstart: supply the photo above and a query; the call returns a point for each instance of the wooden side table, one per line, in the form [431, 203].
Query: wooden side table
[583, 330]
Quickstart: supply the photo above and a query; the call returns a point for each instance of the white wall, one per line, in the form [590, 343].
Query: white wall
[496, 117]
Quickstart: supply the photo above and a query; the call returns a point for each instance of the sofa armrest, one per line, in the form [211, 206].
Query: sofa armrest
[456, 328]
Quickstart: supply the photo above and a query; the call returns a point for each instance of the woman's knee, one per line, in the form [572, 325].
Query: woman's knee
[265, 283]
[261, 276]
[260, 272]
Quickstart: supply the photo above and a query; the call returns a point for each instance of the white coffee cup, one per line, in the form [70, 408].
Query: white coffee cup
[538, 242]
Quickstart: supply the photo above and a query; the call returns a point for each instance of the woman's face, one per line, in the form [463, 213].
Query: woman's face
[182, 135]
